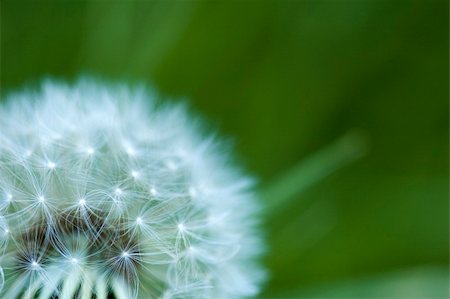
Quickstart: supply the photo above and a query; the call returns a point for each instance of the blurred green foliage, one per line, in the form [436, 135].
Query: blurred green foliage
[284, 79]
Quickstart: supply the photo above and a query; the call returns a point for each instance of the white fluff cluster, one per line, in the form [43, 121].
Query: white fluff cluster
[106, 193]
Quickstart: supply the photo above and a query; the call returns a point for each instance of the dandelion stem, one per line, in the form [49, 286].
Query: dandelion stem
[343, 151]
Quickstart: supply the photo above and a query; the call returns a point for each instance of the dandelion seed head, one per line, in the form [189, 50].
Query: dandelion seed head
[169, 214]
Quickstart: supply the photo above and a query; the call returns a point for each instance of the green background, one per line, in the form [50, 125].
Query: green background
[285, 79]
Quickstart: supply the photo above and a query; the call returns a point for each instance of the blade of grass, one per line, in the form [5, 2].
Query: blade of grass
[345, 150]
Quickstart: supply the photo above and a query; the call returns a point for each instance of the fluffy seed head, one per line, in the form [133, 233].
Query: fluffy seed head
[106, 193]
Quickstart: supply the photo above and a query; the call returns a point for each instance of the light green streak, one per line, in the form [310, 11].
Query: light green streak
[345, 150]
[419, 282]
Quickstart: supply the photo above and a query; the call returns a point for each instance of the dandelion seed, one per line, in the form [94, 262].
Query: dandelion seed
[34, 265]
[171, 165]
[130, 150]
[51, 164]
[192, 192]
[82, 202]
[135, 174]
[90, 151]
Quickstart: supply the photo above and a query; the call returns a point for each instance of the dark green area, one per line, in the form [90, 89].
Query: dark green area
[284, 79]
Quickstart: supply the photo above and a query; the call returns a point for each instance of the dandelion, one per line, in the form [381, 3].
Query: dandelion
[106, 193]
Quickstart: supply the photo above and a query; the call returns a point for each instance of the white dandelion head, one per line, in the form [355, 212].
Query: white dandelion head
[106, 193]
